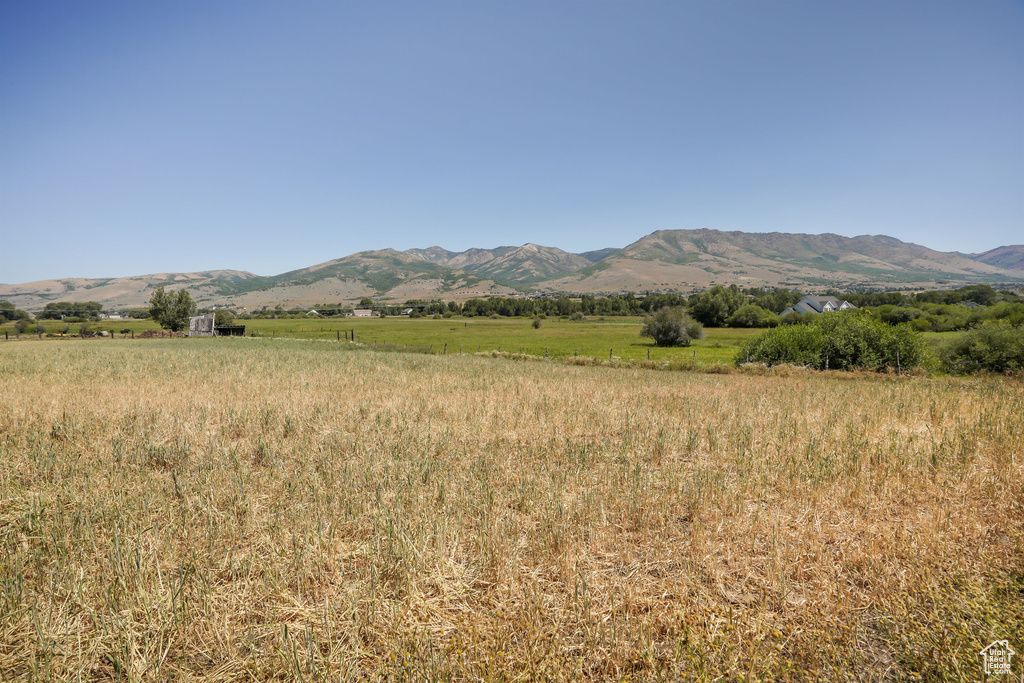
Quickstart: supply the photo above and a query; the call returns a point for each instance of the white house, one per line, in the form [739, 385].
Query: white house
[818, 304]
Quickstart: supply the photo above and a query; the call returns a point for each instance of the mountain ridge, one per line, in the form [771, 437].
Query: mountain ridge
[678, 260]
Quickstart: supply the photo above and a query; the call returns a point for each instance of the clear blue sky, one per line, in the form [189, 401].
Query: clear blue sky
[141, 137]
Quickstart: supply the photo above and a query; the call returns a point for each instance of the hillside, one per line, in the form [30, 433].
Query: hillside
[689, 259]
[513, 266]
[385, 274]
[665, 260]
[120, 292]
[1008, 258]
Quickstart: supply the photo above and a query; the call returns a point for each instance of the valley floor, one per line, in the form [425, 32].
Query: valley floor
[226, 509]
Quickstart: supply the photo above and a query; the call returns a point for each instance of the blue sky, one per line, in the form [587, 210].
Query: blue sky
[268, 136]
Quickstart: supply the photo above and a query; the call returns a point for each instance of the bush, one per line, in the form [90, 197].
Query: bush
[536, 323]
[995, 346]
[839, 341]
[798, 318]
[750, 315]
[895, 315]
[672, 327]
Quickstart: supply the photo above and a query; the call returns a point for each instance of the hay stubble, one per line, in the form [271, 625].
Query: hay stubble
[219, 509]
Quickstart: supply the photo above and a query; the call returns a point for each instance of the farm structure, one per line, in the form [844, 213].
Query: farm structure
[205, 326]
[201, 325]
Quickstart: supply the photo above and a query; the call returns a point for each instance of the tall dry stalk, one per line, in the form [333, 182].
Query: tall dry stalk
[228, 509]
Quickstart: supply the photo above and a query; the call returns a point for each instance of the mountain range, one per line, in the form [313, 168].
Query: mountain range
[676, 260]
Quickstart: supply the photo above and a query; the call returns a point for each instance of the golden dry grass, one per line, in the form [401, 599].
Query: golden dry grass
[258, 510]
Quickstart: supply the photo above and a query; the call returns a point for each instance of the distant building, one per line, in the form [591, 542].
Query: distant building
[364, 313]
[818, 304]
[970, 304]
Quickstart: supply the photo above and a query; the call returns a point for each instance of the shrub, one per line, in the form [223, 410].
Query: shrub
[995, 346]
[839, 342]
[750, 315]
[536, 323]
[894, 315]
[672, 327]
[798, 318]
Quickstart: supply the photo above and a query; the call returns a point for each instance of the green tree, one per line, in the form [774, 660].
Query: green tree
[171, 309]
[672, 327]
[223, 317]
[713, 307]
[750, 315]
[59, 310]
[9, 312]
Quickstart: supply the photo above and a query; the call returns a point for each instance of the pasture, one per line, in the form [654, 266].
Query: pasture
[595, 338]
[276, 509]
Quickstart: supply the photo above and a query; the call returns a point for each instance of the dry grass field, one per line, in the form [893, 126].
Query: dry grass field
[293, 510]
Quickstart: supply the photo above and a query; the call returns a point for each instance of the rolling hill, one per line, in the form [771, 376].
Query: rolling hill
[689, 259]
[1008, 258]
[683, 260]
[514, 266]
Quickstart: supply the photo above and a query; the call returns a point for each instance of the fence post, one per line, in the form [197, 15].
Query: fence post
[545, 352]
[445, 352]
[695, 359]
[898, 371]
[648, 354]
[610, 355]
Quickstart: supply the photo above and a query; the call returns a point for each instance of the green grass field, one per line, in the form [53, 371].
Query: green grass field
[618, 337]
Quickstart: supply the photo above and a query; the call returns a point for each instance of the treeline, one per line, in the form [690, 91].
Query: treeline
[719, 306]
[8, 312]
[80, 310]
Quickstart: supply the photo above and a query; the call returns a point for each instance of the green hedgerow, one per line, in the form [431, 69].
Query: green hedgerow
[839, 341]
